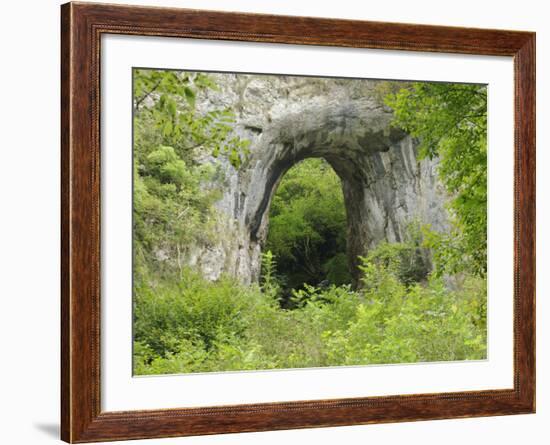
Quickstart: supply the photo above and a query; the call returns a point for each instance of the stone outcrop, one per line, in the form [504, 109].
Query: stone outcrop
[288, 119]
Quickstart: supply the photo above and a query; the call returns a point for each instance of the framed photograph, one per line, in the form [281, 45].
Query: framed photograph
[274, 222]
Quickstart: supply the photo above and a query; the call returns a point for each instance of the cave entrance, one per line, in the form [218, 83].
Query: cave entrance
[338, 181]
[307, 228]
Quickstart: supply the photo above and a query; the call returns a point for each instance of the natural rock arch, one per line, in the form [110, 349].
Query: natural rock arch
[289, 119]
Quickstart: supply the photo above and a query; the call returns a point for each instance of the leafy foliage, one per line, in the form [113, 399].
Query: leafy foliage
[172, 207]
[303, 313]
[199, 326]
[168, 98]
[409, 261]
[269, 282]
[307, 226]
[451, 122]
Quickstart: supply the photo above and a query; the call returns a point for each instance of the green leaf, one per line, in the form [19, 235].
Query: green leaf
[190, 96]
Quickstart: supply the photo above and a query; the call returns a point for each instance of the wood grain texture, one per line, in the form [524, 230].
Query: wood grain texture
[81, 28]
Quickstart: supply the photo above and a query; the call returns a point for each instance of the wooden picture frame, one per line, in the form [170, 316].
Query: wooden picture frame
[82, 25]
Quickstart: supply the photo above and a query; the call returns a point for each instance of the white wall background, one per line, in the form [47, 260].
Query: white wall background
[29, 221]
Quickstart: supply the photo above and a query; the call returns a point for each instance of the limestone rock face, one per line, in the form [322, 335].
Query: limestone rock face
[288, 119]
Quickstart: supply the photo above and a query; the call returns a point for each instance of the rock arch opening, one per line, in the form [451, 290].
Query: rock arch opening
[384, 185]
[380, 177]
[307, 228]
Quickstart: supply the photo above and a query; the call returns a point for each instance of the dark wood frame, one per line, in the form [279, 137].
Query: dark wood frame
[82, 25]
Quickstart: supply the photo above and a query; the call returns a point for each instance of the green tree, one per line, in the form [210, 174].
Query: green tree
[172, 206]
[165, 100]
[307, 228]
[450, 121]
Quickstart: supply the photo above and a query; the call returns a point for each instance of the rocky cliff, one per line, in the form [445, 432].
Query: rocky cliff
[288, 119]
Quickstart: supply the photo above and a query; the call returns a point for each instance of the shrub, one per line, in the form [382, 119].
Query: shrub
[200, 326]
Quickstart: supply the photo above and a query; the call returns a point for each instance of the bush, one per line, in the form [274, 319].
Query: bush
[200, 326]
